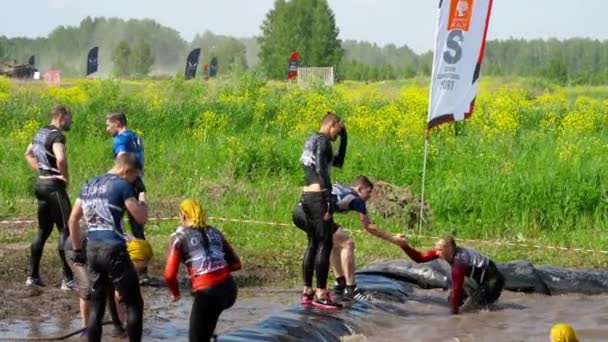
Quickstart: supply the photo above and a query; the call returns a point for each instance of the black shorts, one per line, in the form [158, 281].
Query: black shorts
[298, 216]
[111, 263]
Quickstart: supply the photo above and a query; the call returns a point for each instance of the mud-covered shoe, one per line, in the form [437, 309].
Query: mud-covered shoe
[326, 303]
[68, 285]
[144, 279]
[306, 299]
[351, 292]
[32, 281]
[339, 285]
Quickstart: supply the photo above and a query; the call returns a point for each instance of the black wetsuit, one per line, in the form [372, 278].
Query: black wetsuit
[317, 160]
[103, 202]
[53, 202]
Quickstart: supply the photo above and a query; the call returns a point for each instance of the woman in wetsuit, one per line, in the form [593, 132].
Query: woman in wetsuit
[209, 259]
[487, 282]
[317, 160]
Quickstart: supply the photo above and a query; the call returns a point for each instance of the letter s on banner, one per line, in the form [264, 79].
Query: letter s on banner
[460, 41]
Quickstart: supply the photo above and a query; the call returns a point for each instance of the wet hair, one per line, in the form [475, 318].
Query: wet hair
[59, 111]
[119, 117]
[126, 160]
[449, 240]
[363, 181]
[330, 118]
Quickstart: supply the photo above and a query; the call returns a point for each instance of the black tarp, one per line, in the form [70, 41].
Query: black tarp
[387, 285]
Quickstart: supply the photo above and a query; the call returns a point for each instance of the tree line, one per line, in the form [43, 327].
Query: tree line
[136, 48]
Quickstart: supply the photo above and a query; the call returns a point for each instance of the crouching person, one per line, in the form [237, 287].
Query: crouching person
[486, 281]
[209, 259]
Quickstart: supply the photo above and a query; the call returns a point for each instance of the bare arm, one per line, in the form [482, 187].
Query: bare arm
[138, 209]
[62, 160]
[373, 229]
[31, 159]
[75, 216]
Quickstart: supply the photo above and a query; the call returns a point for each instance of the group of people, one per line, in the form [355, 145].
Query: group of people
[329, 244]
[109, 265]
[100, 259]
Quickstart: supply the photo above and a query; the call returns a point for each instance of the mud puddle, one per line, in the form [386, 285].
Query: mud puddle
[517, 317]
[163, 320]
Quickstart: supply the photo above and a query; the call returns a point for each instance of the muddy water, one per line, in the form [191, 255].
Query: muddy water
[518, 317]
[163, 320]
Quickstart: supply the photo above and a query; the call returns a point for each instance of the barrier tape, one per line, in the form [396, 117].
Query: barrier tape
[359, 231]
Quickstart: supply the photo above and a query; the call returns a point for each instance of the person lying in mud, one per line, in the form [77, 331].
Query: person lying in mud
[84, 292]
[209, 259]
[346, 199]
[317, 160]
[103, 201]
[486, 281]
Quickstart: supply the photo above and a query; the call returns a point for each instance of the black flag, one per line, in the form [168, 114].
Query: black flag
[213, 66]
[92, 61]
[192, 64]
[32, 60]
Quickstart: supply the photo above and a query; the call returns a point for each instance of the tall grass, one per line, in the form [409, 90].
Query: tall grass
[530, 165]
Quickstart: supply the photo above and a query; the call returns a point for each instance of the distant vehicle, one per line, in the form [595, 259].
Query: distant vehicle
[11, 68]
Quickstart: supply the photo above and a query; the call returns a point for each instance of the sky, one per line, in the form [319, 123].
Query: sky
[410, 22]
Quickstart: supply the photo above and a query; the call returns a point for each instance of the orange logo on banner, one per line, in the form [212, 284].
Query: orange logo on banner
[460, 14]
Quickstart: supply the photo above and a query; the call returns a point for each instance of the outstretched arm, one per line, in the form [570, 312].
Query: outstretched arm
[371, 228]
[415, 255]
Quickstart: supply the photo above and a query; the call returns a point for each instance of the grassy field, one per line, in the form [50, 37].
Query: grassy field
[529, 167]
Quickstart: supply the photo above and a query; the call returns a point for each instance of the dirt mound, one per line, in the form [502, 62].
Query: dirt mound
[390, 200]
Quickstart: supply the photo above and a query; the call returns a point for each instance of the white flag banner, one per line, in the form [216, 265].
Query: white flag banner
[462, 27]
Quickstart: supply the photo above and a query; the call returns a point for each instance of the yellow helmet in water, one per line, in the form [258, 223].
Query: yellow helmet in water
[563, 333]
[139, 250]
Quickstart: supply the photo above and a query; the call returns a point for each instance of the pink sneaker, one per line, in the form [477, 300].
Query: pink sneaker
[306, 299]
[326, 303]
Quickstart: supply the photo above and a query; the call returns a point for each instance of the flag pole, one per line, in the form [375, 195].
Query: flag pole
[426, 154]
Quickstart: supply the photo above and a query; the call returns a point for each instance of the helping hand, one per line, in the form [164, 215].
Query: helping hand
[400, 240]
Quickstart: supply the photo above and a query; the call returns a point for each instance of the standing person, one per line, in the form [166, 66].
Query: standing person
[47, 155]
[346, 199]
[487, 281]
[103, 201]
[209, 259]
[80, 272]
[317, 160]
[127, 141]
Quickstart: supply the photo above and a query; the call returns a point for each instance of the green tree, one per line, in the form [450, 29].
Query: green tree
[141, 60]
[306, 26]
[121, 56]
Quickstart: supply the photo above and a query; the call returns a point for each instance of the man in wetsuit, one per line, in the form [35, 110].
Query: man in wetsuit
[103, 201]
[317, 160]
[47, 155]
[486, 281]
[127, 141]
[346, 198]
